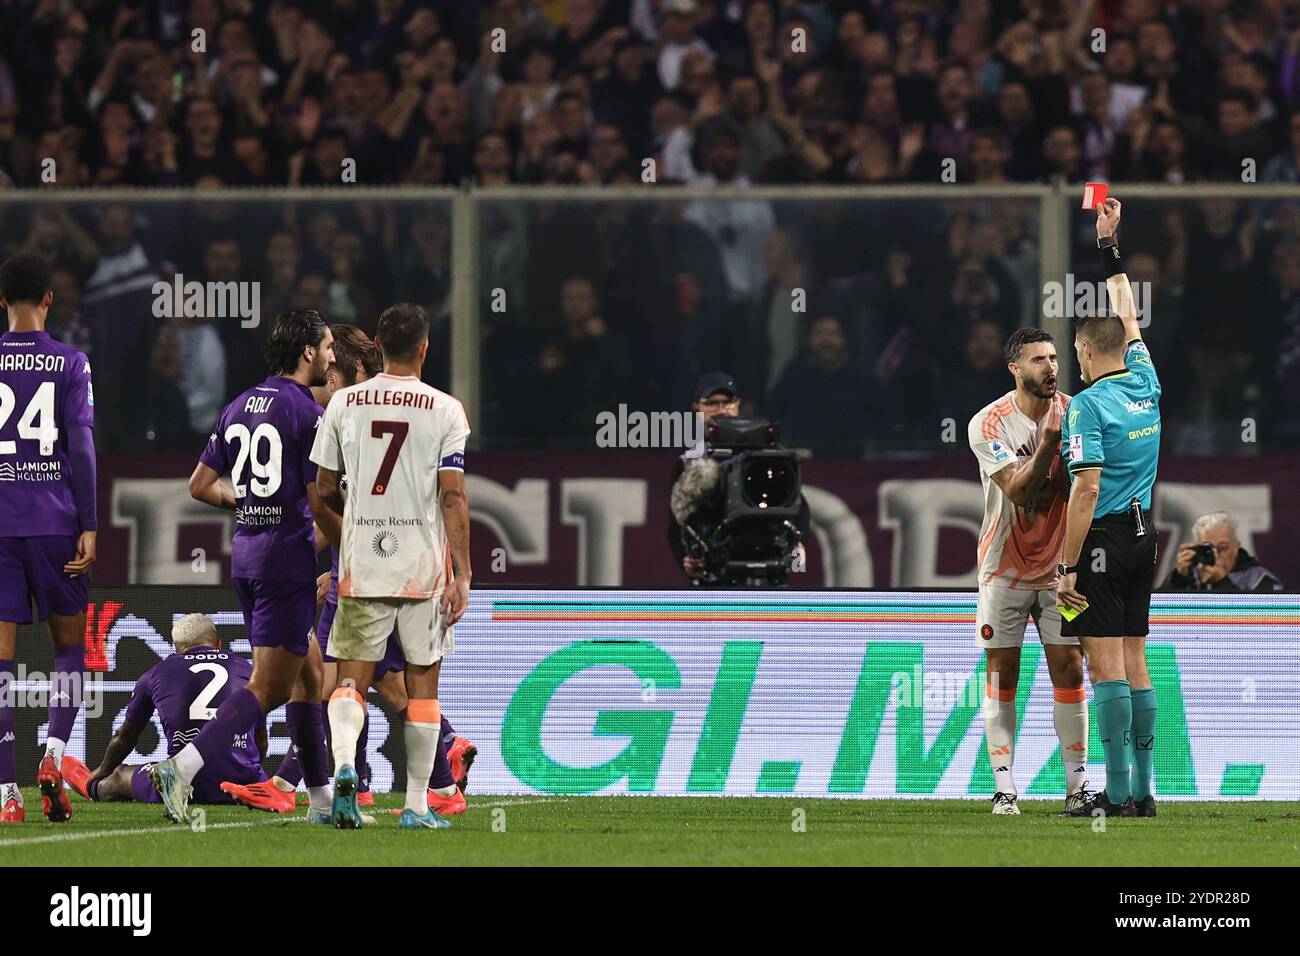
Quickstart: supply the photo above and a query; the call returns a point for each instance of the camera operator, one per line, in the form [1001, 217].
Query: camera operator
[716, 395]
[1216, 561]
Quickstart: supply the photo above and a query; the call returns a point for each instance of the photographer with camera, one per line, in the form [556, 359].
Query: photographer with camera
[1216, 561]
[736, 515]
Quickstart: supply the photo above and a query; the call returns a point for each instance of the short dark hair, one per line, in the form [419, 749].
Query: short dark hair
[291, 333]
[352, 347]
[402, 327]
[24, 277]
[1105, 332]
[1022, 337]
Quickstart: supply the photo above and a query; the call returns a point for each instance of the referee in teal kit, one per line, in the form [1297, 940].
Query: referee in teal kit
[1111, 443]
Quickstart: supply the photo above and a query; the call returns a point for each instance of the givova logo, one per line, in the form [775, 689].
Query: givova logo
[75, 909]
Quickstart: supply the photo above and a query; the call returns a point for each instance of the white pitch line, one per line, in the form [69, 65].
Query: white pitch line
[135, 831]
[174, 828]
[529, 801]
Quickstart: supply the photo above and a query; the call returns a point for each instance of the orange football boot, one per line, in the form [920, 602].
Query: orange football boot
[448, 806]
[365, 798]
[461, 756]
[12, 811]
[261, 796]
[54, 799]
[77, 774]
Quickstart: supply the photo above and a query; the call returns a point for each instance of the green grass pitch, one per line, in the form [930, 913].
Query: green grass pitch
[665, 831]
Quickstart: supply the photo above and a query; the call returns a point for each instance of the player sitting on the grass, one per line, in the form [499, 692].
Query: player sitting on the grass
[185, 689]
[357, 360]
[402, 443]
[1015, 440]
[47, 527]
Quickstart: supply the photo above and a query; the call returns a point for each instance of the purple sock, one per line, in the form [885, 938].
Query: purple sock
[290, 769]
[8, 725]
[448, 732]
[65, 690]
[308, 735]
[92, 788]
[325, 719]
[236, 716]
[441, 776]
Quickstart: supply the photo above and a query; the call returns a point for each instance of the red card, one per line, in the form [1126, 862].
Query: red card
[1094, 194]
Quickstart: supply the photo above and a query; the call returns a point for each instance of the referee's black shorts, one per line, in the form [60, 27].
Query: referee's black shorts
[1119, 592]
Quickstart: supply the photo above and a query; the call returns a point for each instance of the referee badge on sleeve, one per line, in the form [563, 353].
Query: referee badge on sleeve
[1076, 448]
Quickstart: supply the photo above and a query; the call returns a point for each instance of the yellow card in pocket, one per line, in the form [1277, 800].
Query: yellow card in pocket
[1070, 613]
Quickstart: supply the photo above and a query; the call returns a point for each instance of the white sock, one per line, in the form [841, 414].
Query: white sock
[54, 747]
[421, 745]
[347, 716]
[283, 785]
[320, 797]
[1071, 720]
[1000, 735]
[10, 791]
[188, 762]
[446, 791]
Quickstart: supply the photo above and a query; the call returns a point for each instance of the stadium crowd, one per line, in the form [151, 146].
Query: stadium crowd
[907, 300]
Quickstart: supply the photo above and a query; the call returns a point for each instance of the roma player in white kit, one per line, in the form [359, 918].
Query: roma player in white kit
[1016, 440]
[404, 550]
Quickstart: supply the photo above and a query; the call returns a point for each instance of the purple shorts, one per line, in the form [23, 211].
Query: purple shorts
[393, 659]
[207, 785]
[325, 626]
[32, 569]
[277, 613]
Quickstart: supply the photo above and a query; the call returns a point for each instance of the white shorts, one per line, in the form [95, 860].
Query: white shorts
[1002, 613]
[362, 627]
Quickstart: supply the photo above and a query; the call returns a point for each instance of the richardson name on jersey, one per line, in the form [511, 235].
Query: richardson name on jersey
[389, 397]
[390, 522]
[31, 362]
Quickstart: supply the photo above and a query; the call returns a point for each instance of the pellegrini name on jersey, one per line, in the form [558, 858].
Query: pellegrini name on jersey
[403, 399]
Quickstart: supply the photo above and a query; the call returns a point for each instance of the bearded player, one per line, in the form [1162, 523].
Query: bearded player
[403, 555]
[47, 519]
[263, 439]
[1016, 440]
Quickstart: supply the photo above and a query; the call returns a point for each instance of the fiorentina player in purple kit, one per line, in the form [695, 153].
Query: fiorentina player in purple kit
[356, 359]
[47, 518]
[263, 439]
[185, 689]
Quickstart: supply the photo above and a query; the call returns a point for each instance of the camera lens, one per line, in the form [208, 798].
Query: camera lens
[768, 483]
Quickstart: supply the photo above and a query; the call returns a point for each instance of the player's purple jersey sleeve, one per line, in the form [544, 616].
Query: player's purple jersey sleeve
[79, 396]
[141, 707]
[215, 453]
[311, 419]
